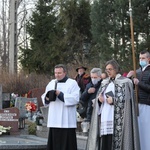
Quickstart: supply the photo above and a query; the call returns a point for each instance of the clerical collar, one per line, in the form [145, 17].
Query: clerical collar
[112, 80]
[64, 79]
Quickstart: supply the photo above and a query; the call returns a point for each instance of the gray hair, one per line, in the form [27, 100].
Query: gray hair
[114, 64]
[145, 52]
[98, 71]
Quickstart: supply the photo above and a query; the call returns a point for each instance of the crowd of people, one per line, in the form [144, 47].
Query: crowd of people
[117, 121]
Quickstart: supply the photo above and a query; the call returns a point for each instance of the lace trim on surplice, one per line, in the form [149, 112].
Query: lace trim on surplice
[106, 128]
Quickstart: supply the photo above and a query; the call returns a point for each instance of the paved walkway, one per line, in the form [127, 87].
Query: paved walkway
[24, 141]
[19, 142]
[32, 142]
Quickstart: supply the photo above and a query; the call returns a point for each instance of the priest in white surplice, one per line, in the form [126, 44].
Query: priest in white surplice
[62, 95]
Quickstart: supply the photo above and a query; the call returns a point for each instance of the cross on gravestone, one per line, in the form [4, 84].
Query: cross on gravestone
[9, 117]
[20, 104]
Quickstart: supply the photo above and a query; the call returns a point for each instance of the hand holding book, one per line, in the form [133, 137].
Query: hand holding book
[110, 97]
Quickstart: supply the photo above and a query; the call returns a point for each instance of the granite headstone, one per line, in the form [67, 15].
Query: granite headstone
[9, 117]
[44, 110]
[20, 104]
[6, 100]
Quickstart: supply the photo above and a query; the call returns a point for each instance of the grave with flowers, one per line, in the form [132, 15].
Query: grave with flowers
[26, 105]
[27, 110]
[31, 107]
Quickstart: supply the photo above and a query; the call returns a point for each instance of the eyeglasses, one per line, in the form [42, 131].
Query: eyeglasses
[110, 69]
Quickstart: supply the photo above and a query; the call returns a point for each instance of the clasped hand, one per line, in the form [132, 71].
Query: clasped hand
[109, 99]
[57, 92]
[91, 90]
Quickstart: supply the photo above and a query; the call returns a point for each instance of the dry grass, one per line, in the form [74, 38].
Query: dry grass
[21, 84]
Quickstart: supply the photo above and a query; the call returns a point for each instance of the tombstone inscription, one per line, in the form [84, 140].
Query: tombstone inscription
[9, 117]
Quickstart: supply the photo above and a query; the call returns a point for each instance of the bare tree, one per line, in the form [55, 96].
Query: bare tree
[24, 10]
[4, 36]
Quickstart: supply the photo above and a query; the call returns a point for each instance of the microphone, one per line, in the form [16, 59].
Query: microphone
[56, 81]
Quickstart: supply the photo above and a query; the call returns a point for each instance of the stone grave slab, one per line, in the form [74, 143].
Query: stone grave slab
[9, 117]
[20, 104]
[6, 100]
[44, 110]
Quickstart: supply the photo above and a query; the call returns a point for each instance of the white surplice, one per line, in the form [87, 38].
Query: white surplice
[107, 113]
[63, 114]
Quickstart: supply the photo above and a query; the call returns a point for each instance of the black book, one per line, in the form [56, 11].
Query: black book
[110, 93]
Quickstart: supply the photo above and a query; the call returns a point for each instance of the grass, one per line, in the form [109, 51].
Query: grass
[21, 83]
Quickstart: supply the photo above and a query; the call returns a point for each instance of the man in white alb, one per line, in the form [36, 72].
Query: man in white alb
[62, 96]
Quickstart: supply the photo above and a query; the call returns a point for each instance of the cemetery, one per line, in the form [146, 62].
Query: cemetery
[35, 35]
[23, 126]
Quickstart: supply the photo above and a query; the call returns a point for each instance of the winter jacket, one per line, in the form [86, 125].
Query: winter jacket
[86, 98]
[144, 86]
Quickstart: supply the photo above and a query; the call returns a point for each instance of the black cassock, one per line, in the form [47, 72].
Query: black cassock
[62, 139]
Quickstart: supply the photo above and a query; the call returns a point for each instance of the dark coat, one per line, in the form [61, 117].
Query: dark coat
[144, 86]
[82, 81]
[86, 98]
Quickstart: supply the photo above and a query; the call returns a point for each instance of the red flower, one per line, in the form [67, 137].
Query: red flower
[30, 106]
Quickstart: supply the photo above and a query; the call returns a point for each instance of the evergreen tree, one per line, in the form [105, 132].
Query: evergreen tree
[61, 32]
[111, 30]
[75, 18]
[44, 32]
[58, 31]
[141, 18]
[100, 30]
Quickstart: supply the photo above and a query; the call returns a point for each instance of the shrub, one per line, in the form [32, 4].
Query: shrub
[21, 83]
[32, 128]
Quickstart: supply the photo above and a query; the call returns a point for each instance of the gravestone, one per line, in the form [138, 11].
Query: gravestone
[43, 130]
[6, 100]
[0, 96]
[44, 110]
[9, 117]
[20, 104]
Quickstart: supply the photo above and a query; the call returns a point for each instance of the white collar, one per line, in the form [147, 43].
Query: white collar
[117, 76]
[145, 67]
